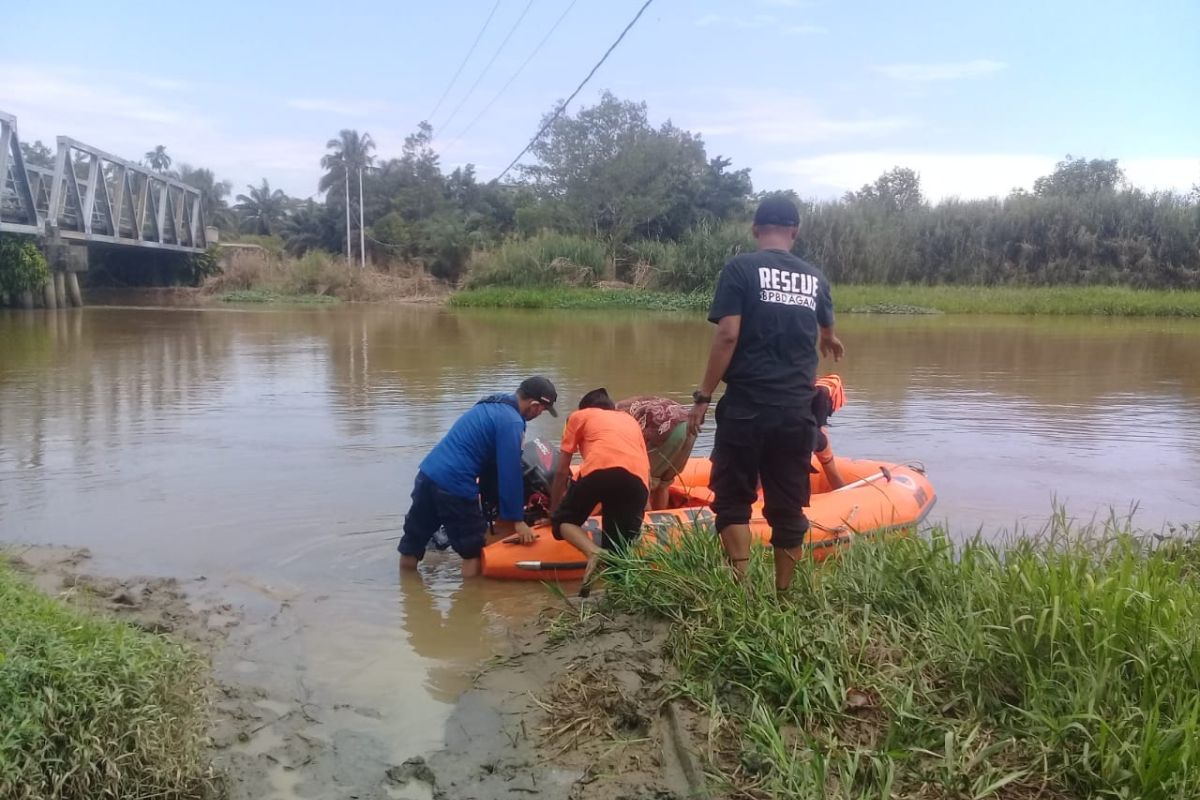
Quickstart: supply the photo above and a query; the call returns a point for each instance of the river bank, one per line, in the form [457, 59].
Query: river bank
[904, 300]
[187, 688]
[1059, 667]
[872, 299]
[577, 704]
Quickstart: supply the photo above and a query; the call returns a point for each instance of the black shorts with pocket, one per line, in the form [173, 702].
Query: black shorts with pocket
[771, 444]
[621, 496]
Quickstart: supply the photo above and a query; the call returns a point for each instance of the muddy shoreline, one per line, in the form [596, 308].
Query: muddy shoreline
[575, 705]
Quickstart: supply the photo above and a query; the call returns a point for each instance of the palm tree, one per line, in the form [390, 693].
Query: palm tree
[302, 229]
[347, 153]
[213, 194]
[263, 210]
[158, 159]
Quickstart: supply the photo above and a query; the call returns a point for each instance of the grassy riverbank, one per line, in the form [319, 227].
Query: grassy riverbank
[1056, 300]
[1066, 667]
[316, 277]
[91, 707]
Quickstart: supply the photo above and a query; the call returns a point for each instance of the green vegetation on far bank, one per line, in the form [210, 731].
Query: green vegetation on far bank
[1064, 666]
[577, 298]
[261, 296]
[1056, 300]
[92, 707]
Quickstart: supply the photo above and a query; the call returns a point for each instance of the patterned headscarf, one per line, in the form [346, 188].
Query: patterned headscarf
[656, 415]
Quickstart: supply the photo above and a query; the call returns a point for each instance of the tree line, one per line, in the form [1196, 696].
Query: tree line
[655, 208]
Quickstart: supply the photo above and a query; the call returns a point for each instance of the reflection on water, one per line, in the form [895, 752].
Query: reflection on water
[278, 447]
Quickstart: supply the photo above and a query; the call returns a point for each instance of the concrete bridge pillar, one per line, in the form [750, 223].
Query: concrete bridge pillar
[49, 296]
[75, 296]
[65, 259]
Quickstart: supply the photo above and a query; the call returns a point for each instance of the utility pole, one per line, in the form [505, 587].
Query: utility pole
[346, 172]
[362, 233]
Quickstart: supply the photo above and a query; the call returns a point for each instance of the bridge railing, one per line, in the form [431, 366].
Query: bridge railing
[98, 197]
[94, 196]
[18, 212]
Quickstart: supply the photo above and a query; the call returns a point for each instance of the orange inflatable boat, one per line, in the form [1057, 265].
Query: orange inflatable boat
[878, 497]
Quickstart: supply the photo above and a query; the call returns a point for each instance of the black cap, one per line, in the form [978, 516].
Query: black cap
[541, 389]
[777, 211]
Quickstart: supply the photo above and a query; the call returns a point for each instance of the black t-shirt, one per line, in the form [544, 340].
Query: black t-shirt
[782, 300]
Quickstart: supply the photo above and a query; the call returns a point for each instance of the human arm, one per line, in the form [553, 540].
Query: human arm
[562, 473]
[510, 482]
[830, 344]
[724, 342]
[828, 463]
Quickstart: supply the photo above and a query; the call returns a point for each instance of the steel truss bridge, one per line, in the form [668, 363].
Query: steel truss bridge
[93, 197]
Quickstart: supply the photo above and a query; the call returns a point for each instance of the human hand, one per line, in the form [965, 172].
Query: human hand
[832, 346]
[525, 534]
[696, 418]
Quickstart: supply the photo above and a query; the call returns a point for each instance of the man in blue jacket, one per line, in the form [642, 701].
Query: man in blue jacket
[485, 440]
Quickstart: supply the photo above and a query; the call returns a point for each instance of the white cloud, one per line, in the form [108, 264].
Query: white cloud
[344, 107]
[948, 71]
[126, 117]
[768, 118]
[964, 175]
[756, 22]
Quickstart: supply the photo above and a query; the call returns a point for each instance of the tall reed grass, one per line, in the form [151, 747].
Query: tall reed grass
[1061, 666]
[546, 259]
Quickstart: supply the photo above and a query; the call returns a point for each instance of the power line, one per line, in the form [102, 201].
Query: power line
[558, 112]
[466, 58]
[488, 66]
[515, 75]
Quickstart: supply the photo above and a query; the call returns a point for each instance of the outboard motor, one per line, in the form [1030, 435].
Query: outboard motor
[537, 467]
[537, 470]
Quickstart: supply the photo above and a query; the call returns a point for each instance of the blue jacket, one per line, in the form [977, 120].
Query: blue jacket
[487, 438]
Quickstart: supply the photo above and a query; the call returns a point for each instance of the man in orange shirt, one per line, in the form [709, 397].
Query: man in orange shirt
[614, 475]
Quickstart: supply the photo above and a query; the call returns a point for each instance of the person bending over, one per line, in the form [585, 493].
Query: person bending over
[614, 476]
[669, 443]
[486, 439]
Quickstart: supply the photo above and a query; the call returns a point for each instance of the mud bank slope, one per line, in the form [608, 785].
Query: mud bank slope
[581, 710]
[273, 735]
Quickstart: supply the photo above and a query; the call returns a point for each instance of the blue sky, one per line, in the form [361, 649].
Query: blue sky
[815, 95]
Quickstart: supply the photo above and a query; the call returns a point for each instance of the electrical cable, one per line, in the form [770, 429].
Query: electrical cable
[578, 89]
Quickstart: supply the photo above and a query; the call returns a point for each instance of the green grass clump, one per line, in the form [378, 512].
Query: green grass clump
[1113, 301]
[262, 296]
[1062, 666]
[576, 298]
[93, 708]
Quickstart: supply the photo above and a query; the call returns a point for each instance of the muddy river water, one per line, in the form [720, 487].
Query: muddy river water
[273, 450]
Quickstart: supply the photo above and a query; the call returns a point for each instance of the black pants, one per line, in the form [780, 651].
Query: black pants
[771, 444]
[621, 496]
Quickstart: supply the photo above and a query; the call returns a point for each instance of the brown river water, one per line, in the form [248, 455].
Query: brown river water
[274, 449]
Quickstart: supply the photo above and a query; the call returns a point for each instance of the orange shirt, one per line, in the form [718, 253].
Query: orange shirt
[606, 439]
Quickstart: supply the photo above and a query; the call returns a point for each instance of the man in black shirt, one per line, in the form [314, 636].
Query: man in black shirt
[772, 311]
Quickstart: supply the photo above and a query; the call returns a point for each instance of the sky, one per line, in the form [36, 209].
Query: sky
[819, 96]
